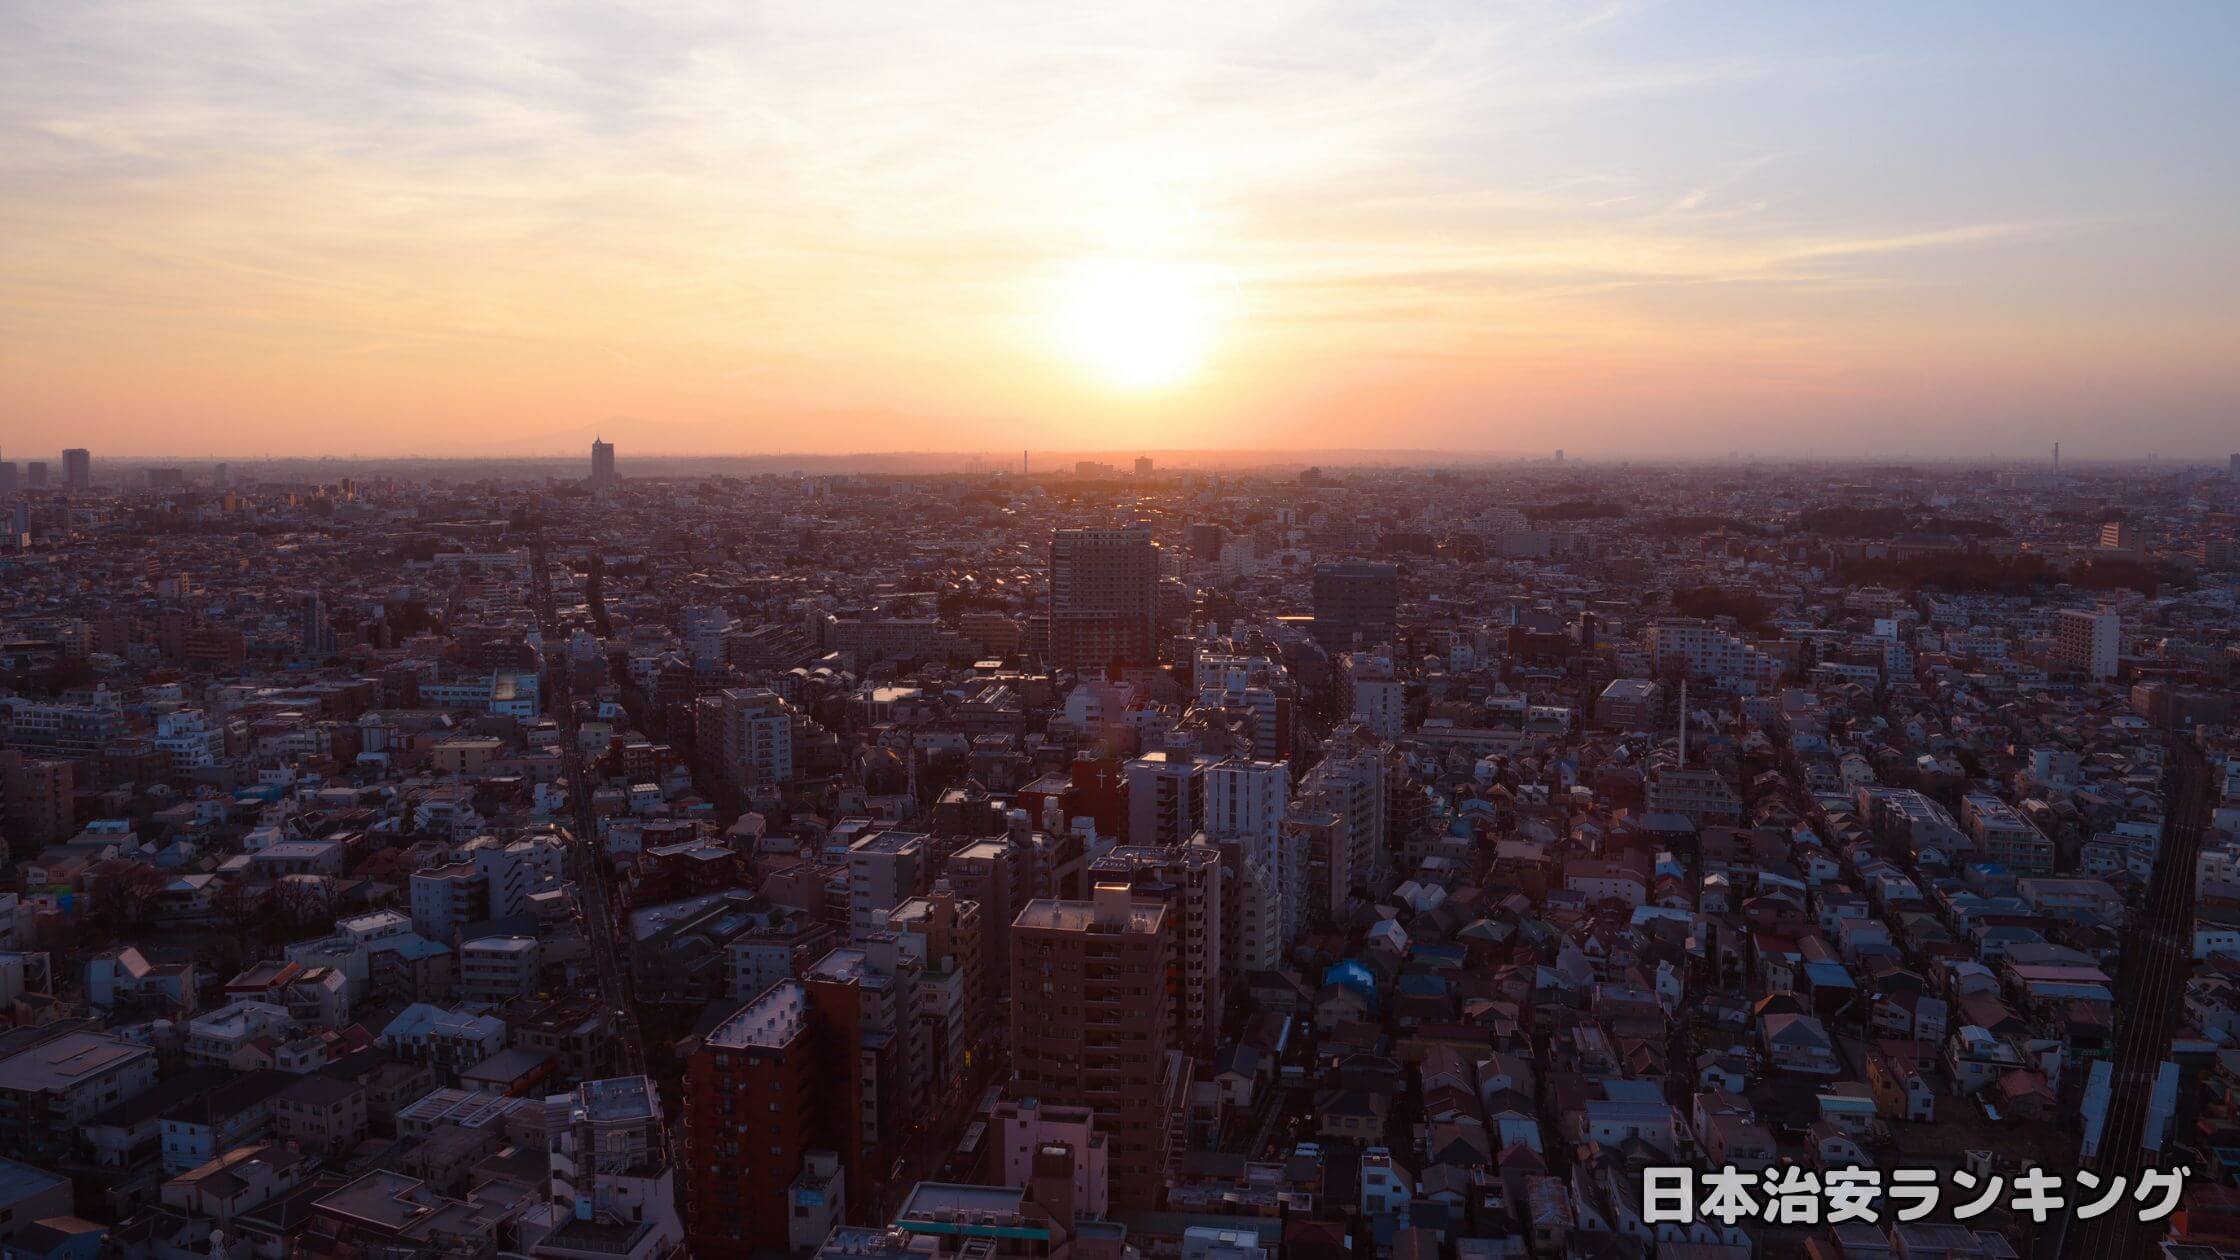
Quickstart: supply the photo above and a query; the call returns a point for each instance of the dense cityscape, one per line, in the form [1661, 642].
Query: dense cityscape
[1120, 862]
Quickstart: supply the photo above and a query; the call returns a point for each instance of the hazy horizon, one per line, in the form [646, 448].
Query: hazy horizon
[1627, 230]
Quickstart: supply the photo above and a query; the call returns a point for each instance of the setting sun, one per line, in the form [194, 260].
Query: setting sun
[1139, 325]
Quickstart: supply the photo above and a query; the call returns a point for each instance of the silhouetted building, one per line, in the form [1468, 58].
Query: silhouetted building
[1355, 602]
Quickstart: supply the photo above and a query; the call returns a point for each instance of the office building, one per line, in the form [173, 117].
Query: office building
[1355, 603]
[35, 475]
[10, 477]
[77, 470]
[1104, 597]
[1631, 704]
[2088, 640]
[1091, 1025]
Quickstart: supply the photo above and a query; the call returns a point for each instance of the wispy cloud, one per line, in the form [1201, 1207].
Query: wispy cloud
[848, 204]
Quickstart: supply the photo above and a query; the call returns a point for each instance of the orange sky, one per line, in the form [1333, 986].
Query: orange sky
[1620, 229]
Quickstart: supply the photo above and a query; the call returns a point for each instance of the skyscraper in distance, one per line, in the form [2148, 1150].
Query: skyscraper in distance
[602, 464]
[1104, 596]
[35, 475]
[77, 469]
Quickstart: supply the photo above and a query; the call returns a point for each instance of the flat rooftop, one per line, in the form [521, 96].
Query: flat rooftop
[1081, 916]
[768, 1022]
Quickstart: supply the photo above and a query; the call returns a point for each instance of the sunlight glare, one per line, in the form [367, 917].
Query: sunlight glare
[1139, 325]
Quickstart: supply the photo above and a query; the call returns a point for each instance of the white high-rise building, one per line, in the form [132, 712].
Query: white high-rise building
[1166, 797]
[1350, 782]
[1244, 810]
[2088, 639]
[1372, 694]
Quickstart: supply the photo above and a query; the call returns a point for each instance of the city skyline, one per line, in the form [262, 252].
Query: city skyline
[1624, 230]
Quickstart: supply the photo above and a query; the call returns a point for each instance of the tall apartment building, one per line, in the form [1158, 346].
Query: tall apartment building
[37, 801]
[77, 470]
[1373, 694]
[1355, 603]
[944, 933]
[992, 874]
[885, 869]
[1104, 597]
[1257, 685]
[1266, 898]
[753, 1109]
[313, 629]
[445, 899]
[877, 1055]
[610, 1163]
[1349, 781]
[1315, 838]
[1701, 650]
[747, 735]
[1166, 797]
[1092, 987]
[602, 465]
[1192, 881]
[2090, 640]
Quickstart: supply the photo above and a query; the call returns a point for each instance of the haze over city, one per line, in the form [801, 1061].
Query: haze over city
[1627, 230]
[1254, 630]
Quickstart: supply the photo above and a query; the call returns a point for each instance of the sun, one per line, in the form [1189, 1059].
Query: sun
[1137, 324]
